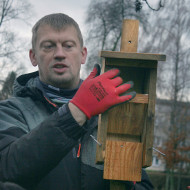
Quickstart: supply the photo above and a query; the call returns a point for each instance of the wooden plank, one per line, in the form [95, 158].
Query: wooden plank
[140, 99]
[123, 137]
[101, 137]
[126, 55]
[137, 63]
[149, 135]
[102, 130]
[127, 118]
[129, 38]
[103, 65]
[123, 161]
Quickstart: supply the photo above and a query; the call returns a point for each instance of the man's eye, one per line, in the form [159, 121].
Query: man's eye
[48, 46]
[68, 46]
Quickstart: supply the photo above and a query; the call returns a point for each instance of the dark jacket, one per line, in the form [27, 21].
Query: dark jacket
[9, 186]
[38, 146]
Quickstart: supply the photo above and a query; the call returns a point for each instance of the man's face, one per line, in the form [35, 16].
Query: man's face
[59, 56]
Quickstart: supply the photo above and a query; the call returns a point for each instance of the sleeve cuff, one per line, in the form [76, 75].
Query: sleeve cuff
[68, 124]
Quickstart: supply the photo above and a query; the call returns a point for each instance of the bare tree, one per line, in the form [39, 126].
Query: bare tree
[170, 36]
[176, 144]
[7, 89]
[104, 22]
[160, 4]
[11, 44]
[167, 32]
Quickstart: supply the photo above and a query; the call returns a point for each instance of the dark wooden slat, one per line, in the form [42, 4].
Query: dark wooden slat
[124, 55]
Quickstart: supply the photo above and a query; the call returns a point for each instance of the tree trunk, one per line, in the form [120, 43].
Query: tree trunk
[179, 177]
[167, 179]
[172, 180]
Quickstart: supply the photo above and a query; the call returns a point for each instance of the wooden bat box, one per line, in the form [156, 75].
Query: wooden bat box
[126, 130]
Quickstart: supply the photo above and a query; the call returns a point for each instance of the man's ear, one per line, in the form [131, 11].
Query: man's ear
[32, 58]
[84, 55]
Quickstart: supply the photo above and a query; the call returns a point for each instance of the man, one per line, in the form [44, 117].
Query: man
[46, 127]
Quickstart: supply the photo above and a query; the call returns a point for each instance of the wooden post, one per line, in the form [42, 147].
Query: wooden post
[129, 38]
[126, 131]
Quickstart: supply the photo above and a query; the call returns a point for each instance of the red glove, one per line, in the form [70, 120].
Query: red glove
[98, 93]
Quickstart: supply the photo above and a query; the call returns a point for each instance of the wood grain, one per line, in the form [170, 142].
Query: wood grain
[123, 161]
[149, 135]
[140, 99]
[129, 38]
[127, 55]
[127, 63]
[126, 130]
[101, 137]
[127, 118]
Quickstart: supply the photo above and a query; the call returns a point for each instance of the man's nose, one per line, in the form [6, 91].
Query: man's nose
[59, 52]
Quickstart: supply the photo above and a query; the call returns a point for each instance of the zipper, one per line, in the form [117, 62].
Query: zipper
[79, 149]
[54, 105]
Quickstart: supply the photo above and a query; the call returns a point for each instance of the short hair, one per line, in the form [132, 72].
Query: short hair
[57, 21]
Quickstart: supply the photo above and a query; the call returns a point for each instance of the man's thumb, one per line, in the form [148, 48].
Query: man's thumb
[95, 72]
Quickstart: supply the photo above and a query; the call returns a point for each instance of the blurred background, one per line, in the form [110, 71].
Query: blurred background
[164, 29]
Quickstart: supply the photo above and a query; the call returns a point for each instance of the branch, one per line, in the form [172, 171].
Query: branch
[6, 8]
[2, 81]
[160, 5]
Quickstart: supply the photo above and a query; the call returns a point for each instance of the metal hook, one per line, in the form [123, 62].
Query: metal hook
[158, 151]
[95, 140]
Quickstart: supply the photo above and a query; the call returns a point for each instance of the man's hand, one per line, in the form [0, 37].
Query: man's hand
[100, 92]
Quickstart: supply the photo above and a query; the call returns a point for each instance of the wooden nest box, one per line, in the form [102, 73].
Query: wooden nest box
[126, 131]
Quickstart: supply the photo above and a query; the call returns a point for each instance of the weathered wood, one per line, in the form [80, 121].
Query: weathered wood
[129, 38]
[123, 137]
[130, 63]
[102, 130]
[149, 135]
[127, 118]
[115, 165]
[126, 130]
[140, 98]
[101, 137]
[135, 56]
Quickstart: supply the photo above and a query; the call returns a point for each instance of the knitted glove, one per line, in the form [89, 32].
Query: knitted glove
[100, 92]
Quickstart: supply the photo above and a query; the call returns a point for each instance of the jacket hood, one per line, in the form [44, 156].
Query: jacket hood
[25, 84]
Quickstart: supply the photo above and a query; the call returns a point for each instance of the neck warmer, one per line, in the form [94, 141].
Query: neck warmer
[57, 95]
